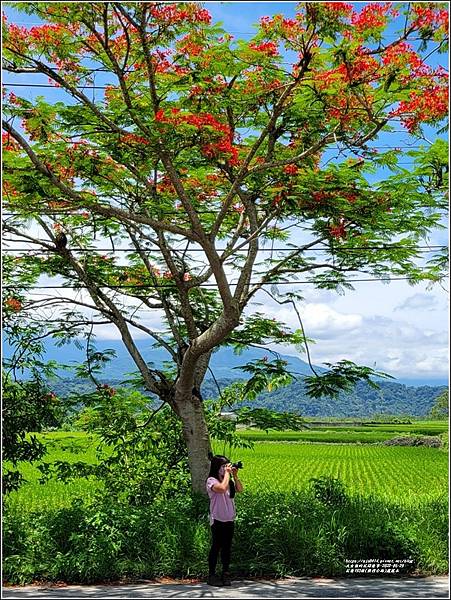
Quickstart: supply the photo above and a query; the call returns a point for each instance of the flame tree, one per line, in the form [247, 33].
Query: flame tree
[201, 152]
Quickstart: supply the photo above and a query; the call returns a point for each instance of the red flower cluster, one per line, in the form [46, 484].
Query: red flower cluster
[13, 304]
[291, 169]
[131, 138]
[165, 185]
[172, 14]
[428, 16]
[430, 105]
[268, 48]
[107, 389]
[343, 9]
[17, 37]
[199, 120]
[402, 55]
[222, 147]
[372, 16]
[321, 195]
[288, 28]
[9, 143]
[212, 149]
[47, 34]
[9, 189]
[338, 231]
[189, 47]
[363, 69]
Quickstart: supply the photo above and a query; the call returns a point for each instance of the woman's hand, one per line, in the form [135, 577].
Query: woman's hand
[228, 468]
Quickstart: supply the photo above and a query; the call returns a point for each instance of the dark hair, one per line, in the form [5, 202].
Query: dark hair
[216, 462]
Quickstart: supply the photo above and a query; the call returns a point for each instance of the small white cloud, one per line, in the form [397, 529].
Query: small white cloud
[318, 319]
[418, 302]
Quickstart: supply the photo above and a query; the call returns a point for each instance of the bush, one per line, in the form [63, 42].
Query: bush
[415, 440]
[328, 490]
[276, 534]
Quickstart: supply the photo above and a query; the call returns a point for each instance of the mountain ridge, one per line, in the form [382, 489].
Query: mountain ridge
[224, 362]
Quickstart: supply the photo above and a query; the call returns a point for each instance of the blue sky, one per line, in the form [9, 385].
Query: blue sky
[401, 329]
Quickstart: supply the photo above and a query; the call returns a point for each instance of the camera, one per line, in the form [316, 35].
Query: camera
[237, 465]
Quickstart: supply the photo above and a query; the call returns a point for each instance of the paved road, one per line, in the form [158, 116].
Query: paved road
[303, 587]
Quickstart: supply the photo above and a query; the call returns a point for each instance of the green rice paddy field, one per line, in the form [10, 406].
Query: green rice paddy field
[283, 461]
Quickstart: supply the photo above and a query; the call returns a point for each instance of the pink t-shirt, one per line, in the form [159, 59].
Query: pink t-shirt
[222, 506]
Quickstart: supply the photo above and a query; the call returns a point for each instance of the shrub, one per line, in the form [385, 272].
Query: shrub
[329, 490]
[415, 440]
[276, 534]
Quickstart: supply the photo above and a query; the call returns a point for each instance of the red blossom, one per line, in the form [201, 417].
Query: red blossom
[338, 8]
[426, 106]
[268, 48]
[131, 138]
[47, 34]
[9, 143]
[338, 231]
[401, 55]
[190, 47]
[107, 389]
[427, 16]
[172, 14]
[13, 304]
[291, 169]
[372, 16]
[320, 196]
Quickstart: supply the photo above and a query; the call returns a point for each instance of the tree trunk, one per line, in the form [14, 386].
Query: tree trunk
[191, 411]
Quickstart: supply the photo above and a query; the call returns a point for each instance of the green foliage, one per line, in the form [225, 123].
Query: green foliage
[341, 377]
[265, 375]
[277, 534]
[140, 455]
[329, 490]
[265, 419]
[27, 406]
[440, 409]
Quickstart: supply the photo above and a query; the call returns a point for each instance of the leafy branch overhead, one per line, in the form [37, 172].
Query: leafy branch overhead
[340, 377]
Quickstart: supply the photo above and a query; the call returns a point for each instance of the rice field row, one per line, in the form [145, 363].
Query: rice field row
[395, 473]
[344, 433]
[327, 436]
[407, 474]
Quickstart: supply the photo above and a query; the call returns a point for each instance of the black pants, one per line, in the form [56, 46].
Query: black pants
[222, 533]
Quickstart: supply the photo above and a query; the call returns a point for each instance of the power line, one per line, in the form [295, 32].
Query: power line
[150, 250]
[209, 285]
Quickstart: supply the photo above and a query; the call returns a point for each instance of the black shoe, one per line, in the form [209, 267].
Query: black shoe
[226, 579]
[214, 580]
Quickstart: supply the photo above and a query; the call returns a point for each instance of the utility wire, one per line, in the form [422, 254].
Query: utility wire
[210, 285]
[133, 251]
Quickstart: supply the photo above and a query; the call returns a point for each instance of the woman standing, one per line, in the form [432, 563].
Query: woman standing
[221, 491]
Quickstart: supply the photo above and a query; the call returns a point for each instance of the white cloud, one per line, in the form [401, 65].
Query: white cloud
[396, 347]
[319, 319]
[418, 301]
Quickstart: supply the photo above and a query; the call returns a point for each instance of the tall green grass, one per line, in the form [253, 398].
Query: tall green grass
[277, 534]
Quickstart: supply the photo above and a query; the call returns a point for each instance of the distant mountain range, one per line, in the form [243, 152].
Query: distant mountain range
[223, 362]
[402, 396]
